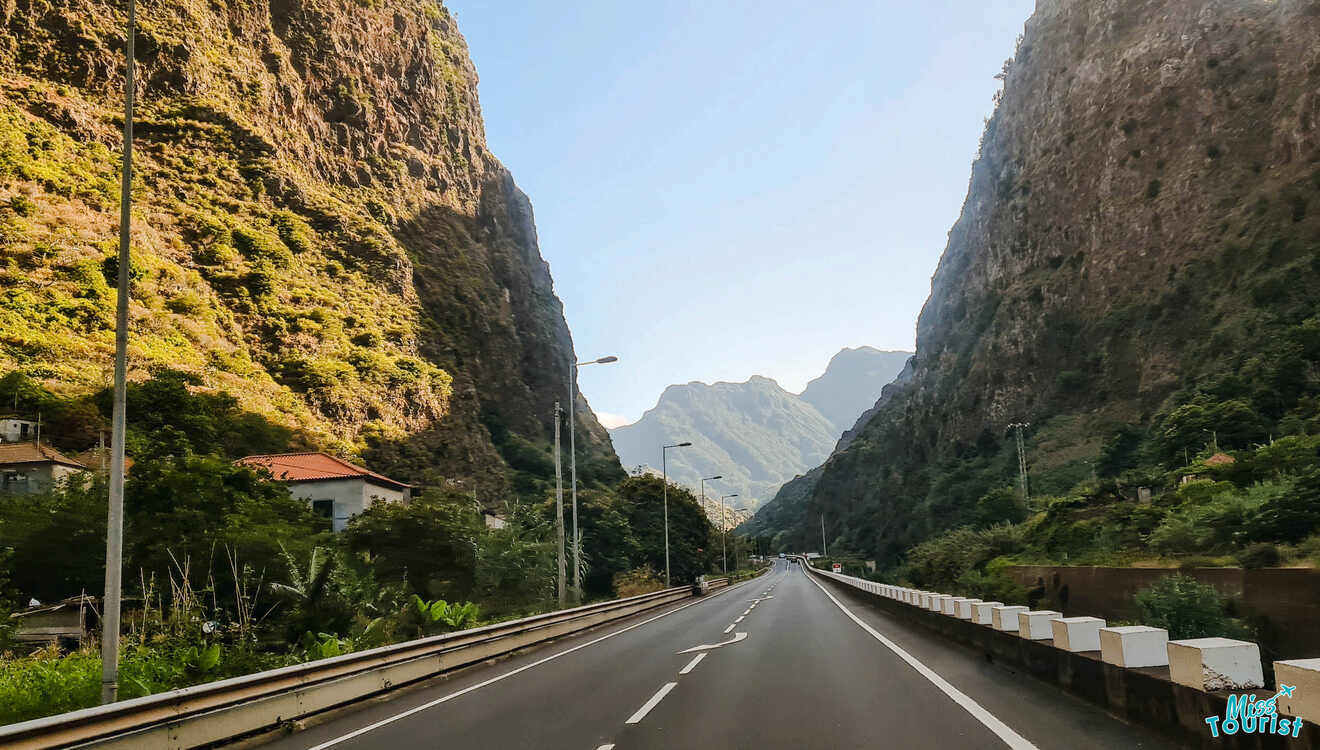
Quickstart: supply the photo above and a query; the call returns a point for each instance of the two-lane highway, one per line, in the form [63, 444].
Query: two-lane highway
[782, 661]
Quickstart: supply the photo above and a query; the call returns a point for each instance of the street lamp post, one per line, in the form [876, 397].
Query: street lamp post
[724, 526]
[703, 489]
[572, 462]
[664, 473]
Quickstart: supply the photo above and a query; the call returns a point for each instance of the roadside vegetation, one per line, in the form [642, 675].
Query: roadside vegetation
[227, 574]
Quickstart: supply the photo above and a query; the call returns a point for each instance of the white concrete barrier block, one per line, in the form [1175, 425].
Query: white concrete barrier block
[1304, 675]
[1005, 618]
[983, 612]
[937, 602]
[923, 599]
[1216, 664]
[1134, 646]
[1077, 633]
[951, 605]
[965, 608]
[1035, 625]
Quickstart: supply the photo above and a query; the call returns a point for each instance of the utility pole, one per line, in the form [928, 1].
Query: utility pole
[824, 550]
[559, 508]
[114, 539]
[1022, 457]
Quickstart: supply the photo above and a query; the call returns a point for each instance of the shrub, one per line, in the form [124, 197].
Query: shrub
[186, 303]
[295, 233]
[1259, 555]
[1290, 516]
[1186, 608]
[259, 245]
[22, 205]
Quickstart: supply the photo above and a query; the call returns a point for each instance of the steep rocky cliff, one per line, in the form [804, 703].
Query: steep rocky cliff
[1139, 234]
[319, 226]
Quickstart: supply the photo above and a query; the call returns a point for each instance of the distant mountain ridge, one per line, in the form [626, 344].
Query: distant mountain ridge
[755, 434]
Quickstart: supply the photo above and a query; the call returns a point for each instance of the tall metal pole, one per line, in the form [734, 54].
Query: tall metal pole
[824, 550]
[1022, 458]
[664, 473]
[572, 462]
[114, 538]
[559, 507]
[724, 553]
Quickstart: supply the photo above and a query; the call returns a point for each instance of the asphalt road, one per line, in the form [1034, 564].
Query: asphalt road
[782, 661]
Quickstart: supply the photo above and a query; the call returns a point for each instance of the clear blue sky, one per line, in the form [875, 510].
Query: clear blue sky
[727, 188]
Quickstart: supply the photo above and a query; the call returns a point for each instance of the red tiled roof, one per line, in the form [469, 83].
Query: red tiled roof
[31, 453]
[308, 467]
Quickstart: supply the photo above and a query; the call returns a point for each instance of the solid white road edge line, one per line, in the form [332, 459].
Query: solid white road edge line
[417, 709]
[991, 722]
[692, 664]
[647, 706]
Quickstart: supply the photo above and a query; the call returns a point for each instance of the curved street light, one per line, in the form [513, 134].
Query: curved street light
[572, 462]
[664, 473]
[724, 527]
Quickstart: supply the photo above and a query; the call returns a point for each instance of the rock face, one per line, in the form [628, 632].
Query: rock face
[319, 227]
[756, 434]
[851, 382]
[1142, 217]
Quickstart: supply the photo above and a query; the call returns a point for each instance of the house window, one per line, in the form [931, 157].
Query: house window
[325, 509]
[13, 481]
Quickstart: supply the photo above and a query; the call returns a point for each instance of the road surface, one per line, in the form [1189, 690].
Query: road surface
[782, 661]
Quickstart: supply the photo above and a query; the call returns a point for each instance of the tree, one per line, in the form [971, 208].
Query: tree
[609, 545]
[693, 541]
[1003, 505]
[431, 542]
[186, 509]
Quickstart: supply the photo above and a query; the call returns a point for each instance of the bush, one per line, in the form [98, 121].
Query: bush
[1289, 516]
[1259, 555]
[259, 245]
[22, 205]
[637, 581]
[294, 232]
[1186, 608]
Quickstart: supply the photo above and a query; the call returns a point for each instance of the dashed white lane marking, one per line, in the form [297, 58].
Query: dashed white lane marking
[646, 707]
[747, 611]
[740, 619]
[726, 630]
[512, 672]
[605, 747]
[991, 722]
[692, 664]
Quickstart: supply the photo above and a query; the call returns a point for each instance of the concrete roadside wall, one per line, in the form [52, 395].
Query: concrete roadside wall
[1282, 603]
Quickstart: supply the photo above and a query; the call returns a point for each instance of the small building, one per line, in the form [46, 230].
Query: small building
[494, 521]
[336, 489]
[16, 430]
[63, 622]
[32, 467]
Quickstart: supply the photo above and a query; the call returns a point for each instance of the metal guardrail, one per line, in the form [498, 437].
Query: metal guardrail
[218, 711]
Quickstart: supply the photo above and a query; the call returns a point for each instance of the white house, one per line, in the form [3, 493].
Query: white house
[336, 489]
[32, 467]
[15, 430]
